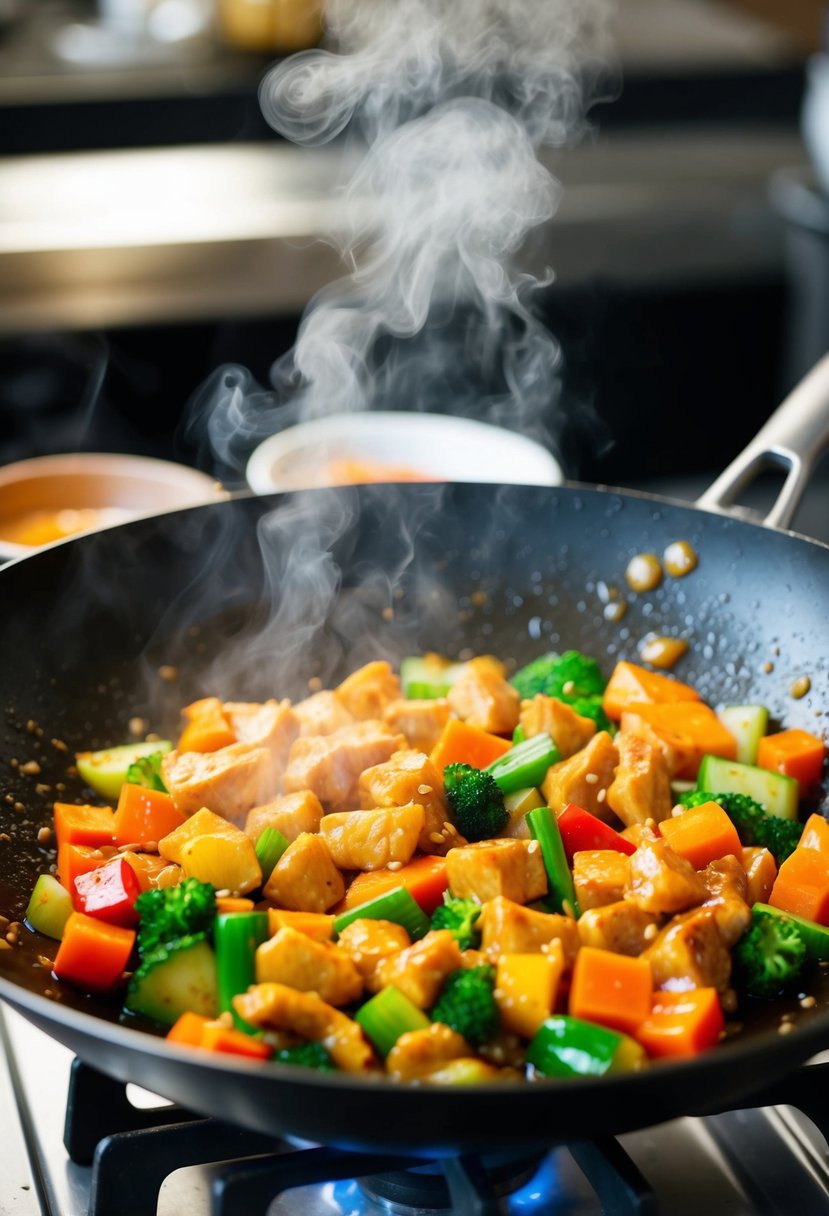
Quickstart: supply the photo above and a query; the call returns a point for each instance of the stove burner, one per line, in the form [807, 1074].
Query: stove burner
[437, 1186]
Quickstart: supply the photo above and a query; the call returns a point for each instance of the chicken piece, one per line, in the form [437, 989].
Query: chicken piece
[620, 927]
[410, 776]
[639, 832]
[291, 814]
[419, 971]
[330, 765]
[690, 953]
[661, 881]
[761, 871]
[641, 789]
[272, 724]
[676, 756]
[419, 1052]
[569, 730]
[600, 877]
[371, 840]
[367, 691]
[420, 721]
[482, 697]
[305, 878]
[276, 1007]
[211, 849]
[584, 778]
[727, 887]
[322, 714]
[368, 942]
[229, 782]
[512, 868]
[507, 928]
[296, 960]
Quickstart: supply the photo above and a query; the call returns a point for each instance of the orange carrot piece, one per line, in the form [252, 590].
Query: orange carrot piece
[795, 753]
[89, 825]
[233, 903]
[681, 1024]
[611, 989]
[461, 743]
[207, 727]
[689, 729]
[77, 859]
[631, 684]
[93, 954]
[318, 925]
[143, 816]
[761, 871]
[188, 1028]
[802, 885]
[218, 1037]
[815, 834]
[701, 834]
[424, 878]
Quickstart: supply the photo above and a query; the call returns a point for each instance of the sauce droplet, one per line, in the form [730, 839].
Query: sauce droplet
[800, 687]
[662, 652]
[680, 559]
[643, 572]
[615, 610]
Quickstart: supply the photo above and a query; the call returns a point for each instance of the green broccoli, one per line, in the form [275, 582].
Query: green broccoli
[467, 1004]
[571, 677]
[306, 1055]
[769, 958]
[754, 825]
[476, 801]
[146, 771]
[460, 916]
[173, 913]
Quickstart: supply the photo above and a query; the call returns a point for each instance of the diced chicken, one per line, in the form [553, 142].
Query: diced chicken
[584, 778]
[727, 888]
[639, 832]
[677, 755]
[322, 714]
[620, 927]
[690, 953]
[272, 724]
[410, 776]
[305, 878]
[420, 721]
[482, 697]
[419, 971]
[420, 1052]
[512, 868]
[661, 881]
[330, 765]
[371, 840]
[367, 691]
[570, 731]
[370, 941]
[291, 814]
[229, 782]
[277, 1007]
[298, 961]
[761, 871]
[600, 877]
[641, 789]
[507, 928]
[211, 849]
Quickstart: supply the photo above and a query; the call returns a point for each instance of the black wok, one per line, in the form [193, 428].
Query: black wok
[91, 628]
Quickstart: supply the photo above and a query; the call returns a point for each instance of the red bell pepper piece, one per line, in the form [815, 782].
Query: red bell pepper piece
[580, 831]
[109, 893]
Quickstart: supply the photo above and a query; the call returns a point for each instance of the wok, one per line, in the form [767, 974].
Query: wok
[253, 597]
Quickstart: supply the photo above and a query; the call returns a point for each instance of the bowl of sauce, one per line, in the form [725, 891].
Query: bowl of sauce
[50, 498]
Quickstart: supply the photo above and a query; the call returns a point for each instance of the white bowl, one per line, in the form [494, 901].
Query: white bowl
[408, 446]
[113, 486]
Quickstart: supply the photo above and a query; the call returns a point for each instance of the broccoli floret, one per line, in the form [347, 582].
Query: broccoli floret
[146, 771]
[769, 958]
[307, 1055]
[460, 917]
[467, 1004]
[476, 801]
[173, 913]
[754, 825]
[568, 676]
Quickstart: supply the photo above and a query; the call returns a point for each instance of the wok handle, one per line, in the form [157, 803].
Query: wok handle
[793, 438]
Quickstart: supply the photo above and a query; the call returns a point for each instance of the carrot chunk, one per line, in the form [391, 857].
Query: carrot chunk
[795, 753]
[188, 1028]
[233, 903]
[75, 860]
[802, 885]
[92, 953]
[681, 1024]
[815, 834]
[207, 727]
[461, 743]
[631, 684]
[689, 730]
[144, 815]
[89, 825]
[319, 925]
[424, 878]
[702, 834]
[612, 989]
[218, 1037]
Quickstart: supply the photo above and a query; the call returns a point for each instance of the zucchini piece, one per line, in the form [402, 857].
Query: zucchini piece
[49, 907]
[175, 979]
[425, 678]
[815, 936]
[748, 724]
[776, 793]
[106, 771]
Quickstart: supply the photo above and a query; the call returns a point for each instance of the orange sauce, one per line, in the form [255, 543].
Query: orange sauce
[41, 527]
[348, 471]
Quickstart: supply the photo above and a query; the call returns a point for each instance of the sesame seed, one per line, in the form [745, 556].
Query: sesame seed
[602, 794]
[424, 789]
[168, 673]
[591, 778]
[44, 835]
[568, 688]
[808, 1002]
[31, 768]
[532, 847]
[436, 837]
[785, 1028]
[395, 865]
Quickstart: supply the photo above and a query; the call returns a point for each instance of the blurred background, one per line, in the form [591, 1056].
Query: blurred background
[152, 227]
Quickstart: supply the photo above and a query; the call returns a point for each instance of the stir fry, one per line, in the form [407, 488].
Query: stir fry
[448, 875]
